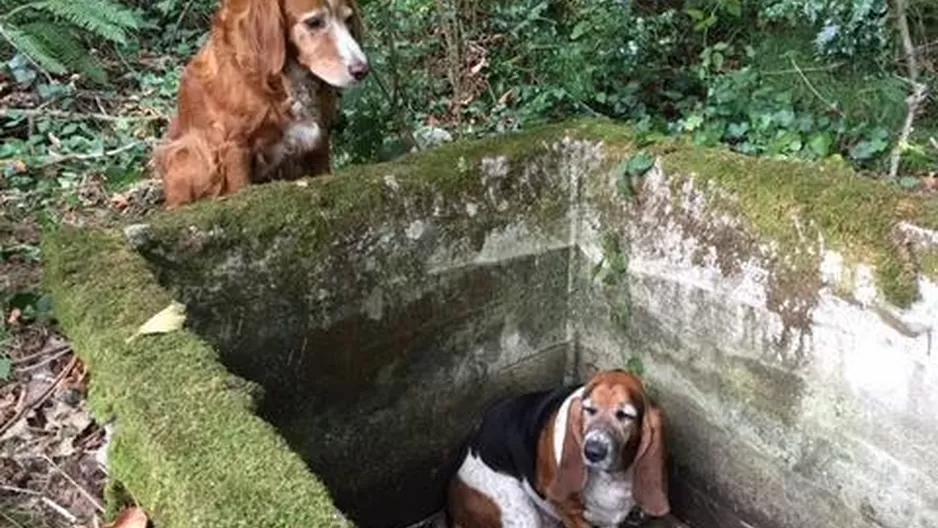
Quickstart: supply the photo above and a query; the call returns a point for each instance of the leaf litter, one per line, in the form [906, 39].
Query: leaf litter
[52, 470]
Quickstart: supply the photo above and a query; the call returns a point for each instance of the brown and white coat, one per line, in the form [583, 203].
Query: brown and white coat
[580, 456]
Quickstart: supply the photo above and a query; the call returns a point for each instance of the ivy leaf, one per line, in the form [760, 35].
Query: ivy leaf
[868, 149]
[734, 8]
[820, 144]
[638, 164]
[737, 130]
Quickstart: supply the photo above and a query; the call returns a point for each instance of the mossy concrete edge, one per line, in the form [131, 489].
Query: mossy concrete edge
[186, 443]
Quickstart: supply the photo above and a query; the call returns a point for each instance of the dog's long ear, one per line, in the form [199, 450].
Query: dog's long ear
[571, 473]
[650, 479]
[256, 32]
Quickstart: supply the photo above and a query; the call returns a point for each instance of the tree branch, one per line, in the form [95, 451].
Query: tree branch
[918, 91]
[55, 159]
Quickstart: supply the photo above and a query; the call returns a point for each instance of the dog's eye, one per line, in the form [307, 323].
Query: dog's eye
[315, 23]
[622, 416]
[590, 410]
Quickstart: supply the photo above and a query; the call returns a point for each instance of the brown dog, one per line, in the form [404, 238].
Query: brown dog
[573, 457]
[257, 101]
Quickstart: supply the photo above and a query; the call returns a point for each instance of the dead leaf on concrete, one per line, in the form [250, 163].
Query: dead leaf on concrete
[168, 319]
[133, 517]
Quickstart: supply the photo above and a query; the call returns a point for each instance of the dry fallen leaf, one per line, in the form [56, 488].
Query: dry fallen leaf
[120, 201]
[15, 315]
[168, 319]
[133, 517]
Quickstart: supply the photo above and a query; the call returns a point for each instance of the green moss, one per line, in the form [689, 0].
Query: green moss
[187, 445]
[855, 215]
[930, 263]
[360, 196]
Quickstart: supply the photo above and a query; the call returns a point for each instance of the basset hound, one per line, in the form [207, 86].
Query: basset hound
[578, 456]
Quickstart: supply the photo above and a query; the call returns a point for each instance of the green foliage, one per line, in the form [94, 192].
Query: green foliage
[843, 29]
[51, 32]
[763, 77]
[633, 169]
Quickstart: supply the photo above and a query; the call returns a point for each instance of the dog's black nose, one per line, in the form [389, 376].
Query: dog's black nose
[595, 450]
[358, 70]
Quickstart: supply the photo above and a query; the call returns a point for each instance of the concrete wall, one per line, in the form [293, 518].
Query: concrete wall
[796, 394]
[378, 343]
[828, 419]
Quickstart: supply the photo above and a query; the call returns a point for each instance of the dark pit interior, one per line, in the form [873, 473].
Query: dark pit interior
[376, 386]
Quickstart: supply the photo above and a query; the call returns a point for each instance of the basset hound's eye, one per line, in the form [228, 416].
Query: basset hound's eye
[315, 23]
[589, 410]
[622, 416]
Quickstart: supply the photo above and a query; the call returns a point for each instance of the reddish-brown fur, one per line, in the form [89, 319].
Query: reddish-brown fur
[471, 509]
[234, 100]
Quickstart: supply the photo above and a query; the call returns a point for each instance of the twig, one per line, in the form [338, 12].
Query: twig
[917, 94]
[62, 114]
[829, 67]
[45, 500]
[29, 358]
[59, 509]
[94, 502]
[401, 122]
[19, 491]
[61, 158]
[11, 520]
[46, 361]
[811, 87]
[41, 399]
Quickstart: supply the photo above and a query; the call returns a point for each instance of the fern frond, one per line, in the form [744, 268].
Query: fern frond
[65, 46]
[34, 48]
[101, 18]
[117, 14]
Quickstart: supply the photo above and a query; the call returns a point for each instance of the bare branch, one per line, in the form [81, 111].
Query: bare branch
[55, 159]
[918, 92]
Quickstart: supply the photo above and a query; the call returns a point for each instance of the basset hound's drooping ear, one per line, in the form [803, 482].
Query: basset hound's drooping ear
[650, 479]
[571, 472]
[255, 31]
